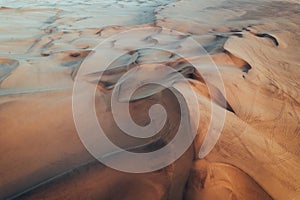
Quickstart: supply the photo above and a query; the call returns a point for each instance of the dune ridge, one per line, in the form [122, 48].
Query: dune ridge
[255, 45]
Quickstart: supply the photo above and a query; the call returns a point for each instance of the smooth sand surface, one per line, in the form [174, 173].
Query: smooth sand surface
[255, 45]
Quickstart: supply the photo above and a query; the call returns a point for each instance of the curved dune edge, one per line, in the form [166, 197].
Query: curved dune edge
[6, 67]
[261, 138]
[210, 180]
[256, 157]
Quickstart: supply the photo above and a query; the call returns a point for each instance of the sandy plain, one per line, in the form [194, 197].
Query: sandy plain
[255, 45]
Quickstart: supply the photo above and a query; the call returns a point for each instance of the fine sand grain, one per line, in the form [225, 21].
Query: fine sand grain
[255, 45]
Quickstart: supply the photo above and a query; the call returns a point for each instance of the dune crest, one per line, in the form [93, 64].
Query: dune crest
[255, 46]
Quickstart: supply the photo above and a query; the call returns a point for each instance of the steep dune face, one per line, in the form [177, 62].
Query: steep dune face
[262, 138]
[255, 45]
[48, 161]
[212, 180]
[37, 146]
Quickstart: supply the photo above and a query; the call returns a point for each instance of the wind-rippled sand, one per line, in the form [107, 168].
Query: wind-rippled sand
[255, 45]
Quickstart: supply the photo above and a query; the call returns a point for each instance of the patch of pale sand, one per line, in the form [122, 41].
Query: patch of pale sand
[17, 36]
[201, 17]
[47, 48]
[260, 140]
[195, 17]
[37, 76]
[7, 66]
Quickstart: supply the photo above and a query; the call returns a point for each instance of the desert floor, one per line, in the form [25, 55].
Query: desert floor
[254, 45]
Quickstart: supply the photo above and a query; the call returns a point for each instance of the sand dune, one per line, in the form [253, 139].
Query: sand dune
[255, 45]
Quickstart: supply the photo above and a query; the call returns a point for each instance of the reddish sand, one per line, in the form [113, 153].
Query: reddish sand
[255, 46]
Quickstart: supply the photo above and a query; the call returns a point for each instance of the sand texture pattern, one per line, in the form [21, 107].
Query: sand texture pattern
[255, 46]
